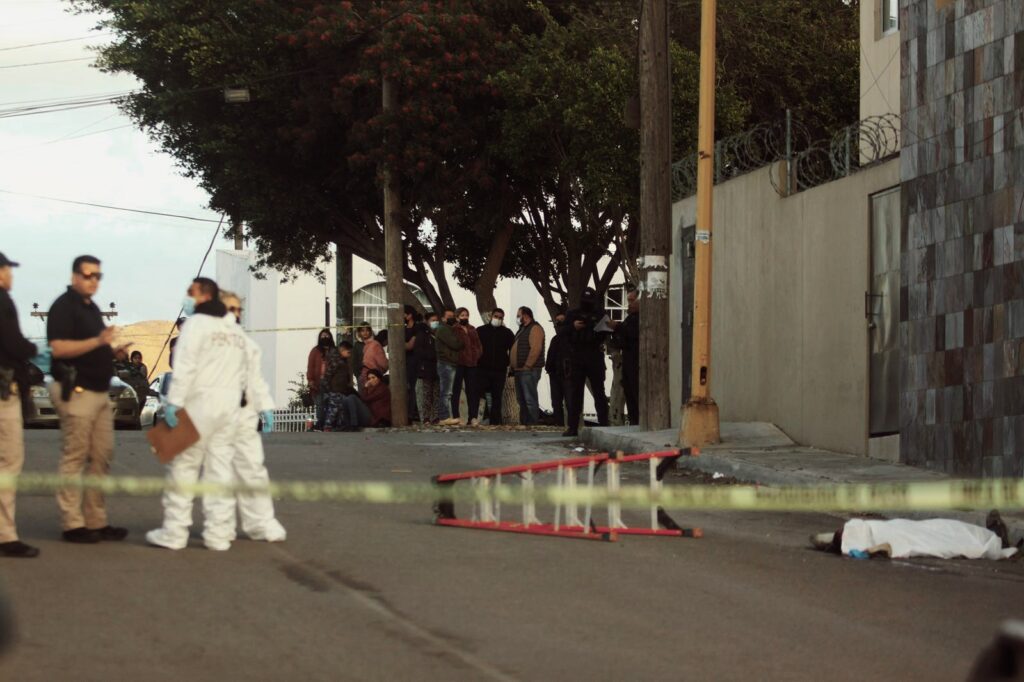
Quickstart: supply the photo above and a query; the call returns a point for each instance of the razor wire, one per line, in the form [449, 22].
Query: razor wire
[802, 162]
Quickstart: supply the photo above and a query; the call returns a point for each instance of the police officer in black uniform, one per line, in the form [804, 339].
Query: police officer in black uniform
[15, 401]
[586, 360]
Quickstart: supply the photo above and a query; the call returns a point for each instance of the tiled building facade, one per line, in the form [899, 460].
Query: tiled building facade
[962, 236]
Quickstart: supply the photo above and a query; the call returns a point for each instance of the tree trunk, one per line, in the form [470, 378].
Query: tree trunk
[485, 284]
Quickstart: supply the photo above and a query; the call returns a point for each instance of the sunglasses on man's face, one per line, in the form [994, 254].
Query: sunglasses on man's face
[94, 276]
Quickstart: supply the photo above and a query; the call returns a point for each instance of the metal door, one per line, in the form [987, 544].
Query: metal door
[882, 308]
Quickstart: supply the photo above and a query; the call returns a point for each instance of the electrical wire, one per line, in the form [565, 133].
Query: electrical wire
[54, 42]
[54, 61]
[209, 248]
[110, 207]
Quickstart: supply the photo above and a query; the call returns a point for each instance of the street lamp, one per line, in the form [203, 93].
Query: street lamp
[110, 313]
[36, 312]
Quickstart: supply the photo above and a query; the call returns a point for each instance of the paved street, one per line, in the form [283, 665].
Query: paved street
[373, 593]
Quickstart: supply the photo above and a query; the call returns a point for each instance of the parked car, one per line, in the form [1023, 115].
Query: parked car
[123, 401]
[156, 402]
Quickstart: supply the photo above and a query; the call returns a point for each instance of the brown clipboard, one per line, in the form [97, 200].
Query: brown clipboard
[168, 443]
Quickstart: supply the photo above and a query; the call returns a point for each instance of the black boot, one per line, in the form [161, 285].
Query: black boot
[18, 550]
[82, 536]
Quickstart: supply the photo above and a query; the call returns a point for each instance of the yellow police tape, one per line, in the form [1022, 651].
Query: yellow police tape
[1006, 494]
[269, 330]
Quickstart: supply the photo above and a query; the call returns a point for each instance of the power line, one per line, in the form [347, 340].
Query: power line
[55, 61]
[110, 207]
[54, 42]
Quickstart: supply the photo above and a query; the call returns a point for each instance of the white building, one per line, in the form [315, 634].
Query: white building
[284, 315]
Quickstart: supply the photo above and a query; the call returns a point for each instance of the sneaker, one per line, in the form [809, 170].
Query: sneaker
[221, 546]
[452, 421]
[81, 536]
[474, 422]
[112, 534]
[18, 550]
[161, 538]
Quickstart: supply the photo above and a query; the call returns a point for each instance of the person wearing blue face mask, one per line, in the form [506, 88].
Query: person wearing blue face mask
[210, 377]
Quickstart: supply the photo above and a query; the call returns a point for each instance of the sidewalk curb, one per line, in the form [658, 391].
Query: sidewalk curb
[717, 460]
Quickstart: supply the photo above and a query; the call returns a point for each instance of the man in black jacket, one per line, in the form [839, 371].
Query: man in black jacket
[557, 365]
[15, 352]
[496, 340]
[587, 360]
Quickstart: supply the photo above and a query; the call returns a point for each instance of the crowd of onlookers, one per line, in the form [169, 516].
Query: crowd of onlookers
[348, 382]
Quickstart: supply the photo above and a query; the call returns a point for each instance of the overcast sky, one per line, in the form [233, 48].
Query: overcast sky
[92, 155]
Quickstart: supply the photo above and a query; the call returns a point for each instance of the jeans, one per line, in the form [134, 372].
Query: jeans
[446, 374]
[320, 403]
[526, 393]
[356, 411]
[427, 399]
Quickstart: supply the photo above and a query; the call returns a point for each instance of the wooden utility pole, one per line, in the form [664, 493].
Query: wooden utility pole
[655, 213]
[394, 259]
[700, 414]
[236, 230]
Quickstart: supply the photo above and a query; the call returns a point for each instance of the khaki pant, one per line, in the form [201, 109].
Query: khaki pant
[12, 456]
[87, 429]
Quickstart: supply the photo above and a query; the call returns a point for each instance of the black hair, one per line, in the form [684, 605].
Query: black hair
[459, 311]
[409, 310]
[134, 353]
[431, 314]
[377, 373]
[208, 287]
[526, 311]
[561, 310]
[450, 310]
[345, 345]
[180, 321]
[498, 310]
[84, 260]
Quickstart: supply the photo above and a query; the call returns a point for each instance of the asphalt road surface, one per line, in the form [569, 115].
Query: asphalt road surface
[362, 592]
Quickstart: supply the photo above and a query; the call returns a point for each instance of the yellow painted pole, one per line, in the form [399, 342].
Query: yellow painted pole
[700, 414]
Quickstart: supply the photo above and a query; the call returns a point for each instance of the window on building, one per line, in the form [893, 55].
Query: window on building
[370, 304]
[890, 16]
[615, 303]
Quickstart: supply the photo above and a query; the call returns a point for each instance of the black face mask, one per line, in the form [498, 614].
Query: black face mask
[325, 343]
[464, 323]
[450, 321]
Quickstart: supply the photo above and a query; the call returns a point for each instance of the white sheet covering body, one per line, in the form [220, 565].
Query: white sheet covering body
[941, 538]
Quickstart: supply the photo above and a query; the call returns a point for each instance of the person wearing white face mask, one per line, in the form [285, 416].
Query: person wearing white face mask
[492, 369]
[209, 381]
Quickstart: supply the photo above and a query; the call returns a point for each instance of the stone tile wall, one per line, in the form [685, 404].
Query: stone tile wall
[962, 238]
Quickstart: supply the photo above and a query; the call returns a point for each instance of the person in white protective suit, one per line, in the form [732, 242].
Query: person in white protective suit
[255, 510]
[209, 379]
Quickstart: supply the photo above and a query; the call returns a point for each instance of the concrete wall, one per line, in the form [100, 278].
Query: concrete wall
[879, 64]
[789, 337]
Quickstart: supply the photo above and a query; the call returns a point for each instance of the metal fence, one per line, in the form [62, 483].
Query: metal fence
[293, 421]
[801, 162]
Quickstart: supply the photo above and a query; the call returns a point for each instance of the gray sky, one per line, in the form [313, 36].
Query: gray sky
[147, 260]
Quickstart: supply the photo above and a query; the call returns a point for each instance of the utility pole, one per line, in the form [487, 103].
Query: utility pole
[236, 229]
[655, 213]
[700, 415]
[394, 259]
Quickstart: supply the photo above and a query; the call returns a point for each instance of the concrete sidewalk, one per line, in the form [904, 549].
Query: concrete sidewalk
[761, 453]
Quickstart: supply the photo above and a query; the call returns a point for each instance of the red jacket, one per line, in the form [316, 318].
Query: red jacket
[315, 369]
[378, 399]
[472, 349]
[373, 358]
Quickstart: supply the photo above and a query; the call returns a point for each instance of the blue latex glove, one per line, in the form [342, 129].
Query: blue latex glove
[44, 360]
[268, 420]
[859, 554]
[171, 415]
